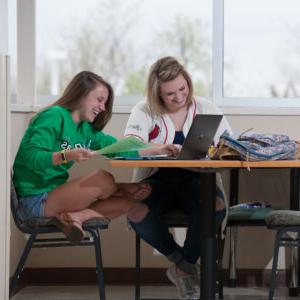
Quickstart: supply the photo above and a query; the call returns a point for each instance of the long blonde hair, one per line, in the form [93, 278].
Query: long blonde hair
[165, 69]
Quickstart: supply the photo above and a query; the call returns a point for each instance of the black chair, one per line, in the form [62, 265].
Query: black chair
[40, 226]
[177, 219]
[243, 217]
[285, 222]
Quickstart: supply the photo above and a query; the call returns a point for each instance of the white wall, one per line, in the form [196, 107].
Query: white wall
[4, 151]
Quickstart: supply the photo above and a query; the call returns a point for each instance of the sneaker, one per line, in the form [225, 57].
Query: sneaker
[197, 273]
[196, 277]
[185, 284]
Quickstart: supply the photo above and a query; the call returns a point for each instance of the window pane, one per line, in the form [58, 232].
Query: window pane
[120, 39]
[261, 50]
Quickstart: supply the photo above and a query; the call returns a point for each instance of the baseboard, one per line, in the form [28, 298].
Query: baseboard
[126, 276]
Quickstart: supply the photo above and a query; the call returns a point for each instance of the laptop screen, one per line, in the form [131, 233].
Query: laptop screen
[200, 136]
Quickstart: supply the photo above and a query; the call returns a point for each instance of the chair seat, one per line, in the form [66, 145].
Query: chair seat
[287, 225]
[176, 218]
[51, 222]
[283, 218]
[243, 214]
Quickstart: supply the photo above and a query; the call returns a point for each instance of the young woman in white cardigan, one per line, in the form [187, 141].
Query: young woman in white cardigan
[165, 118]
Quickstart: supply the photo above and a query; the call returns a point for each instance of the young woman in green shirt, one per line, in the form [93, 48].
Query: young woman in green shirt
[63, 133]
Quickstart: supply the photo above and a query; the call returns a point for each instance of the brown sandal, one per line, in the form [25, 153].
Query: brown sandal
[70, 227]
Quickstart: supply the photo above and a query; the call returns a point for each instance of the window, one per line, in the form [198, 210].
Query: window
[120, 40]
[261, 49]
[240, 53]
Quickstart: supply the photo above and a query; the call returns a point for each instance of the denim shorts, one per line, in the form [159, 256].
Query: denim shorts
[32, 206]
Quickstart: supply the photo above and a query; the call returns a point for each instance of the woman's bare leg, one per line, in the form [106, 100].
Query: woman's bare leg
[112, 207]
[103, 208]
[88, 197]
[95, 195]
[80, 193]
[139, 191]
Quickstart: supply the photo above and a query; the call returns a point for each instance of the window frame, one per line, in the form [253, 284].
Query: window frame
[26, 70]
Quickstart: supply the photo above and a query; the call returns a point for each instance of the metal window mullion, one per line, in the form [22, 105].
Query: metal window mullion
[218, 52]
[26, 60]
[4, 174]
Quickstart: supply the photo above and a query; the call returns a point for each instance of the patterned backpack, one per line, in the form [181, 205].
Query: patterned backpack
[255, 147]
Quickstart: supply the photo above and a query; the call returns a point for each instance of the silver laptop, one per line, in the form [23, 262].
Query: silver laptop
[200, 137]
[197, 142]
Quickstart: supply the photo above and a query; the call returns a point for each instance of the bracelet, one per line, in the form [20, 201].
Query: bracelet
[63, 156]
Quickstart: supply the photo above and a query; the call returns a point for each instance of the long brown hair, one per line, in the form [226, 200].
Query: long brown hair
[165, 69]
[78, 88]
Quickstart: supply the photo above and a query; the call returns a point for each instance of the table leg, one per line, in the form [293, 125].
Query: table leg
[294, 205]
[233, 200]
[208, 245]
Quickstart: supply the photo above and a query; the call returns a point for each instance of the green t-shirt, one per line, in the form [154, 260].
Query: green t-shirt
[50, 131]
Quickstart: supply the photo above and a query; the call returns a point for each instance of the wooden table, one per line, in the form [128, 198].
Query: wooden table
[208, 170]
[205, 163]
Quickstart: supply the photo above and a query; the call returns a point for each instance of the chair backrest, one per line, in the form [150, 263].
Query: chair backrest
[176, 218]
[14, 204]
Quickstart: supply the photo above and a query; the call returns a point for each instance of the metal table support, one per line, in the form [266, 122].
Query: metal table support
[208, 245]
[295, 254]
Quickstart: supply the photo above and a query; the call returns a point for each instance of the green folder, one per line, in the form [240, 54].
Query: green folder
[127, 144]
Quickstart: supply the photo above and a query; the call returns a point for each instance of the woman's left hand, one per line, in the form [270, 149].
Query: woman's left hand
[169, 149]
[78, 154]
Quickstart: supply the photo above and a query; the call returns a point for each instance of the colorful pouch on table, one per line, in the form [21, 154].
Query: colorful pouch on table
[255, 147]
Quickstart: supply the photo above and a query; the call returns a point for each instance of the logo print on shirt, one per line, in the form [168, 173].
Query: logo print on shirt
[67, 145]
[136, 127]
[154, 132]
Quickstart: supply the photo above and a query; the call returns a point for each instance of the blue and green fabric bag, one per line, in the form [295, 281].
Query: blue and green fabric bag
[255, 147]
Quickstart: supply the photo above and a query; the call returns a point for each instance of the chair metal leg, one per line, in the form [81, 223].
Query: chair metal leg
[232, 256]
[294, 288]
[99, 265]
[19, 269]
[294, 205]
[220, 266]
[137, 267]
[274, 266]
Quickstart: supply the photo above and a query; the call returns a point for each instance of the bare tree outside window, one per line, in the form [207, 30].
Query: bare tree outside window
[264, 54]
[185, 39]
[189, 40]
[289, 68]
[99, 44]
[111, 41]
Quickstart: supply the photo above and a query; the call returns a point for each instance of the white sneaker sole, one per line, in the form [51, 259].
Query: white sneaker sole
[170, 277]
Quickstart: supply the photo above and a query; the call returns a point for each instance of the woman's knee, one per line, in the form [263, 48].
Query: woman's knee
[106, 183]
[219, 204]
[137, 212]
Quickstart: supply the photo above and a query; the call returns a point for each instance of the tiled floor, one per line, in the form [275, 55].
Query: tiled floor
[127, 293]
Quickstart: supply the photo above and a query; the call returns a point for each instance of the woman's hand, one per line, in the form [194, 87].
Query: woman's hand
[169, 149]
[78, 154]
